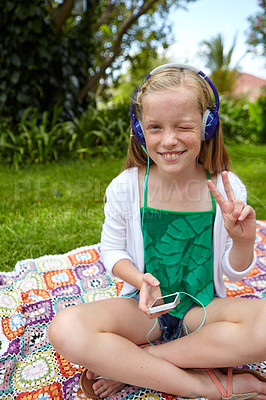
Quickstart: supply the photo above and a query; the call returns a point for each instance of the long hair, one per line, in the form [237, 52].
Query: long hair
[213, 155]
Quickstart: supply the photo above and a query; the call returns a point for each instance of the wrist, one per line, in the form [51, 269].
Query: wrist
[244, 245]
[126, 270]
[241, 256]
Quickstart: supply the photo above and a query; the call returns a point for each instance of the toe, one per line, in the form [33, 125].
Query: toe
[90, 375]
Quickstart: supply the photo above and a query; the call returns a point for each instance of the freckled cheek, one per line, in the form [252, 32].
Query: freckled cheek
[194, 144]
[151, 143]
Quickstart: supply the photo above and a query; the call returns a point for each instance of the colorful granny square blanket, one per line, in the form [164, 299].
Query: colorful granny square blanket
[38, 288]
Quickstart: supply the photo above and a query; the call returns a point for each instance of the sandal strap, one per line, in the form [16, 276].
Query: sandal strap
[220, 386]
[230, 381]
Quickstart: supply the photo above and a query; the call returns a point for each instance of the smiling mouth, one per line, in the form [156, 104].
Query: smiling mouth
[172, 155]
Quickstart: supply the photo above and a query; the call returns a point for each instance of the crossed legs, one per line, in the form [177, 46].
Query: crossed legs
[233, 334]
[104, 337]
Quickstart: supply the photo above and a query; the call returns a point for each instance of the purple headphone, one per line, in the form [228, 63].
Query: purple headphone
[210, 118]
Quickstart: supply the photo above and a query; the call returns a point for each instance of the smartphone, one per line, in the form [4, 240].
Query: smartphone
[164, 303]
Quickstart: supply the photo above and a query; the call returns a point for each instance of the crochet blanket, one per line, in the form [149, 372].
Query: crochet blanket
[38, 288]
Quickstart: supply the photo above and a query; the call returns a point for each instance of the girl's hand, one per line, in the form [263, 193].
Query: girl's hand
[149, 291]
[239, 219]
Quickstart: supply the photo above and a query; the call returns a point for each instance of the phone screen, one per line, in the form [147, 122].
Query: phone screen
[165, 300]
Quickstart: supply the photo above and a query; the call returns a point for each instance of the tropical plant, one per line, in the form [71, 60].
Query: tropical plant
[99, 132]
[36, 141]
[40, 141]
[218, 62]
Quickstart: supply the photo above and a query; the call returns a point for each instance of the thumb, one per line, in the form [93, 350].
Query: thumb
[151, 280]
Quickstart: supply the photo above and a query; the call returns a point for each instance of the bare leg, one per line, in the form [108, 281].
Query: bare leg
[115, 327]
[233, 334]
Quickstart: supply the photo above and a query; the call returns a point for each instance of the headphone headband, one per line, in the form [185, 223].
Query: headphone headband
[210, 118]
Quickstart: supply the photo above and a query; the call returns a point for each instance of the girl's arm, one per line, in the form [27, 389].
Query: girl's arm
[114, 247]
[113, 235]
[147, 284]
[241, 255]
[125, 270]
[240, 223]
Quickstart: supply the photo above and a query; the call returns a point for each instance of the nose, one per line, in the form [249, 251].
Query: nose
[170, 138]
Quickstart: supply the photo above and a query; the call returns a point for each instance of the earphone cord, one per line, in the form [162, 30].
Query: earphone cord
[196, 330]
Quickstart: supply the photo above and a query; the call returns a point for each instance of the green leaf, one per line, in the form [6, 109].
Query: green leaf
[15, 77]
[20, 13]
[3, 97]
[15, 60]
[106, 29]
[23, 98]
[9, 6]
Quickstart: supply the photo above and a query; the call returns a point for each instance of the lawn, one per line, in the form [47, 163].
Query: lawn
[249, 163]
[54, 208]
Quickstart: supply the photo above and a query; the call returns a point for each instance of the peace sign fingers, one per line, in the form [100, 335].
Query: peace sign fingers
[228, 190]
[239, 219]
[227, 187]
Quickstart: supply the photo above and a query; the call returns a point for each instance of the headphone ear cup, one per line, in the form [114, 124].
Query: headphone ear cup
[137, 129]
[209, 124]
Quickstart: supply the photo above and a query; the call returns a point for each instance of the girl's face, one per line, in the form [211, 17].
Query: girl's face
[172, 122]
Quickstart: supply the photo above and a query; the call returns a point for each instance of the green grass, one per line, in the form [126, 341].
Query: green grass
[249, 163]
[54, 208]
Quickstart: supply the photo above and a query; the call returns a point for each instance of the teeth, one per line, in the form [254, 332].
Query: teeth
[170, 156]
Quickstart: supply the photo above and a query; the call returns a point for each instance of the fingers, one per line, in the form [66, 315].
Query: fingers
[247, 211]
[150, 280]
[216, 194]
[149, 291]
[241, 211]
[238, 208]
[227, 187]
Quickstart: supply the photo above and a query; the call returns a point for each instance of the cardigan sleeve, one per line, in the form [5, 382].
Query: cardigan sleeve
[113, 236]
[241, 194]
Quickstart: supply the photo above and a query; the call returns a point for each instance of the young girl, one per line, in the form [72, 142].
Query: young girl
[174, 222]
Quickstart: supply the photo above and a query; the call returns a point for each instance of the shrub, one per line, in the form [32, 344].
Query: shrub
[257, 123]
[33, 141]
[38, 141]
[104, 131]
[242, 120]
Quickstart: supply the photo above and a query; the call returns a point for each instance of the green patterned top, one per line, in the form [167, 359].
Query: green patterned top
[178, 252]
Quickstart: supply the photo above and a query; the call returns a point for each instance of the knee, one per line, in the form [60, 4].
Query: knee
[60, 330]
[259, 328]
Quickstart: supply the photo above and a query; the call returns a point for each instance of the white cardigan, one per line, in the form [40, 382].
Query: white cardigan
[122, 235]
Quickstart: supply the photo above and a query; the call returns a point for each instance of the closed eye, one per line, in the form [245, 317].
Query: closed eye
[188, 127]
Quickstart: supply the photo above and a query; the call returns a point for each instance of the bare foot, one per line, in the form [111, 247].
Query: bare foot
[104, 387]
